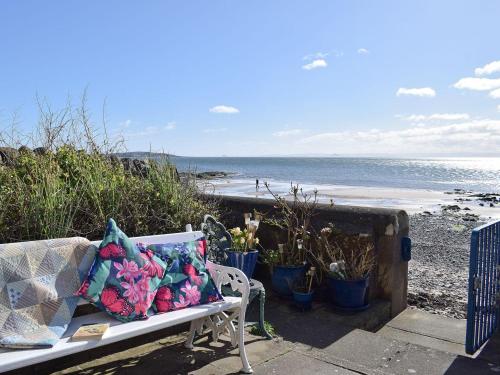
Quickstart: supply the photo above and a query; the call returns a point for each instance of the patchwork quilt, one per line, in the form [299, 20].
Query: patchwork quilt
[38, 281]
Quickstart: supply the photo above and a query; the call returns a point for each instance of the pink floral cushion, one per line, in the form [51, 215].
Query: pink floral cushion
[124, 278]
[187, 281]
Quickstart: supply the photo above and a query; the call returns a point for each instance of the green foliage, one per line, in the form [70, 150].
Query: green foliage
[270, 257]
[255, 330]
[70, 192]
[74, 184]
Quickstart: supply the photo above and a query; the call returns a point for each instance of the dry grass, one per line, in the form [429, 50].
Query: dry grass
[75, 187]
[355, 251]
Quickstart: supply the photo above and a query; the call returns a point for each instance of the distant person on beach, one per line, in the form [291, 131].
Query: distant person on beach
[257, 185]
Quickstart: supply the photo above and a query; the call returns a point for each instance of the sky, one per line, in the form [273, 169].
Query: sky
[253, 78]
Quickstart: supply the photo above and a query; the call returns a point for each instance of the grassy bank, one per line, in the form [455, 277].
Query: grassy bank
[75, 186]
[71, 192]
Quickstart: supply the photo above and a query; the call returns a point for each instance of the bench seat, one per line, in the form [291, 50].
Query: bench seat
[13, 359]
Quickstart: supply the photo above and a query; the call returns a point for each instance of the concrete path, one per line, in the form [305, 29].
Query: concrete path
[358, 352]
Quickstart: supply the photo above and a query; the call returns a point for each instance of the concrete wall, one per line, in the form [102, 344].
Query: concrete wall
[389, 281]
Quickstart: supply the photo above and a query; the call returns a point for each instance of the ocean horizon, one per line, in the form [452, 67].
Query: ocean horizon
[413, 184]
[476, 174]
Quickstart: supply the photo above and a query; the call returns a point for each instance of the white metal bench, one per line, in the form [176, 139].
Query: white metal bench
[216, 317]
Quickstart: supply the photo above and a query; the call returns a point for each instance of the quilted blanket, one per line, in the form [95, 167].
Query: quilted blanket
[38, 280]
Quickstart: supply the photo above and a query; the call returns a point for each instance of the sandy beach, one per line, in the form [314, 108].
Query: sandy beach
[412, 201]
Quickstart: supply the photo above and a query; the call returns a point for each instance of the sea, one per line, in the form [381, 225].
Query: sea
[414, 184]
[437, 174]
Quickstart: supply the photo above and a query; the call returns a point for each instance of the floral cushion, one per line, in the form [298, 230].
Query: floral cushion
[187, 281]
[123, 280]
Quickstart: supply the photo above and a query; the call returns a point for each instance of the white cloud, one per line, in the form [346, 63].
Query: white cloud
[363, 51]
[437, 116]
[477, 84]
[492, 67]
[287, 133]
[315, 56]
[468, 136]
[422, 92]
[224, 109]
[495, 94]
[319, 63]
[170, 126]
[214, 130]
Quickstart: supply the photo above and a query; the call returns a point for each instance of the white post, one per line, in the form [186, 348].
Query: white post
[189, 228]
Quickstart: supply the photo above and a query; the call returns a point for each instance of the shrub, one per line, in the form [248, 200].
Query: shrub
[293, 218]
[73, 192]
[343, 256]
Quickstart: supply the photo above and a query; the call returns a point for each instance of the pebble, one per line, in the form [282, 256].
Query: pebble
[438, 272]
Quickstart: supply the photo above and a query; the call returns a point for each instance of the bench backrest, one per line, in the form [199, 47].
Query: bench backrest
[164, 238]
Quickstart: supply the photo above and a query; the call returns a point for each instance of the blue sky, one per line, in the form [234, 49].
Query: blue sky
[263, 77]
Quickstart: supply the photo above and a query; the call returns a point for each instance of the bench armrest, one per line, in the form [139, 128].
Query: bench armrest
[223, 275]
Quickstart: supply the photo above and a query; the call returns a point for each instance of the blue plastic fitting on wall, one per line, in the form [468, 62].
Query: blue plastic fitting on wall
[406, 248]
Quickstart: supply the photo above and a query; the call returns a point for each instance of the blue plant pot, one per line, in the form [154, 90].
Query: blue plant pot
[243, 261]
[284, 277]
[303, 300]
[348, 294]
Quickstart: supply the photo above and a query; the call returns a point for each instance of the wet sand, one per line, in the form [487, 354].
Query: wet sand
[411, 200]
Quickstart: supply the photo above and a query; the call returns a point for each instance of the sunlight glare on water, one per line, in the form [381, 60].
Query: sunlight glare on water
[441, 174]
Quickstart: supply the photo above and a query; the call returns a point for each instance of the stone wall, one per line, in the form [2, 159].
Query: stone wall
[386, 226]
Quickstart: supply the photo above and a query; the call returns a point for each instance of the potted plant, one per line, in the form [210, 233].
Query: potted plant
[242, 254]
[302, 292]
[347, 261]
[288, 262]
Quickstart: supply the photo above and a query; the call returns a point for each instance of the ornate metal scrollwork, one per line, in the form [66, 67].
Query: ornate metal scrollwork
[218, 239]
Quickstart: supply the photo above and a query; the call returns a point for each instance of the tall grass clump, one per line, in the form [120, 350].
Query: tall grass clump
[73, 184]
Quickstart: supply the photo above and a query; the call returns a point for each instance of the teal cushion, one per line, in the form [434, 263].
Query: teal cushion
[187, 281]
[124, 278]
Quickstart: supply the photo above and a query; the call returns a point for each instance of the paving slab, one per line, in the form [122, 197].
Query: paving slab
[371, 353]
[432, 325]
[221, 356]
[322, 325]
[279, 310]
[207, 357]
[294, 363]
[144, 359]
[423, 340]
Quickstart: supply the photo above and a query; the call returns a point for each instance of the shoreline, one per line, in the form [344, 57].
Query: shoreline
[472, 205]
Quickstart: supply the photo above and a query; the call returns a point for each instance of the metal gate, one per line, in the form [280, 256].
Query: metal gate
[484, 285]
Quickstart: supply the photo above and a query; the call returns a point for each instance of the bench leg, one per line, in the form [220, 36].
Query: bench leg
[192, 331]
[247, 369]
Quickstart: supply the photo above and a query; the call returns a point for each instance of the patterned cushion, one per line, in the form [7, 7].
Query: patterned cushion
[38, 281]
[123, 279]
[187, 281]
